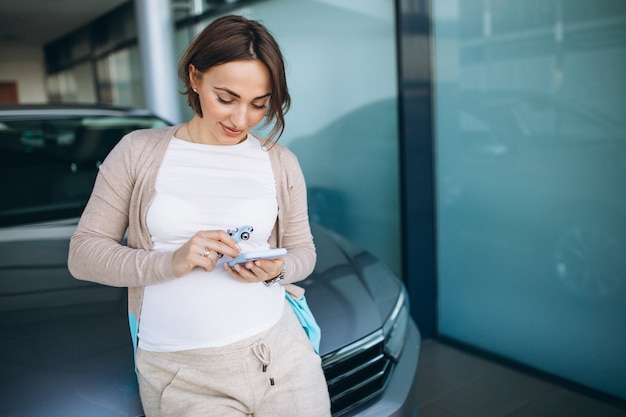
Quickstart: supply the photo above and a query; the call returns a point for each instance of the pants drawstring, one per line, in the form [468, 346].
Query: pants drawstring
[264, 354]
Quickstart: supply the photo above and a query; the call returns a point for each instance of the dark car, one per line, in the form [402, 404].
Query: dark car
[65, 346]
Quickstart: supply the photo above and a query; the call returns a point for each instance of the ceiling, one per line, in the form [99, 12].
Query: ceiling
[37, 22]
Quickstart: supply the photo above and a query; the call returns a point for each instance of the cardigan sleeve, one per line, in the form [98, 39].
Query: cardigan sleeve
[294, 229]
[96, 252]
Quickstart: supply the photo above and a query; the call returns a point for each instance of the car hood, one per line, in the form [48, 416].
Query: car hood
[66, 349]
[350, 292]
[69, 360]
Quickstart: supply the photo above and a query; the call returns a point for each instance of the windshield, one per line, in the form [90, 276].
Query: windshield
[48, 165]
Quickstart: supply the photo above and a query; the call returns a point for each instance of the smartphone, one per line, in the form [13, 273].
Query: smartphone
[259, 254]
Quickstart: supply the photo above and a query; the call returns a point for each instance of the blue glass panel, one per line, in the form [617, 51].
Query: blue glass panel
[343, 124]
[531, 167]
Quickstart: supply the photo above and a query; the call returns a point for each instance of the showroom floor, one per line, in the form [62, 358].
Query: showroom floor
[453, 383]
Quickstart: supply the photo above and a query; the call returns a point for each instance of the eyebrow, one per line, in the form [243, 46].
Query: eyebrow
[232, 93]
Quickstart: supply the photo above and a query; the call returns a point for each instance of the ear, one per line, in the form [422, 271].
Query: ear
[194, 78]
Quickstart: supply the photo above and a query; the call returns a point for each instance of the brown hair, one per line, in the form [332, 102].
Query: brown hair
[233, 38]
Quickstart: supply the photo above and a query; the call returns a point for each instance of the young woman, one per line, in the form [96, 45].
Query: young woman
[211, 339]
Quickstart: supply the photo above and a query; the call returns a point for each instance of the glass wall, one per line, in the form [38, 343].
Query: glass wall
[98, 63]
[119, 78]
[531, 145]
[74, 85]
[341, 67]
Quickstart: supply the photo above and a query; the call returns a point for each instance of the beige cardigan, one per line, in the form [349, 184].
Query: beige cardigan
[122, 194]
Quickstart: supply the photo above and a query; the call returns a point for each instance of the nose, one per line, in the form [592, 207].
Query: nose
[239, 116]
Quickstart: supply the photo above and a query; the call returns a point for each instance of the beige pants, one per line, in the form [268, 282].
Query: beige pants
[274, 374]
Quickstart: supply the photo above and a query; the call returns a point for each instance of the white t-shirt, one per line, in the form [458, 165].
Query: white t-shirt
[206, 187]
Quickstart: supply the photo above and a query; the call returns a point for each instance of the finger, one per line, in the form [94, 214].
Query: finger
[234, 273]
[250, 272]
[258, 273]
[220, 242]
[205, 241]
[209, 259]
[202, 256]
[225, 239]
[225, 249]
[271, 268]
[186, 258]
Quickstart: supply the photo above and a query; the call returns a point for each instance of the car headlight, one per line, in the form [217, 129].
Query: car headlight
[395, 326]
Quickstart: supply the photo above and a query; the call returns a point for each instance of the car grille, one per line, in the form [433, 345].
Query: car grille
[357, 373]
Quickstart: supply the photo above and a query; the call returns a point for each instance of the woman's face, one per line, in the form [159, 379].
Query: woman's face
[234, 97]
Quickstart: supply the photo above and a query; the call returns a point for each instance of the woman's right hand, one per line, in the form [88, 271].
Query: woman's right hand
[202, 251]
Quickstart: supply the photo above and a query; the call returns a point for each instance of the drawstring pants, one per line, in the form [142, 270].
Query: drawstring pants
[273, 374]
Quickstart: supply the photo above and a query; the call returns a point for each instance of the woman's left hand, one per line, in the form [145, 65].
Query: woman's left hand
[256, 271]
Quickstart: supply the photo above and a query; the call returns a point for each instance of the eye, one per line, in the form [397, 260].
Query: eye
[259, 106]
[223, 100]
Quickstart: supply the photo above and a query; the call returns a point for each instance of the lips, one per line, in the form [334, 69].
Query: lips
[231, 132]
